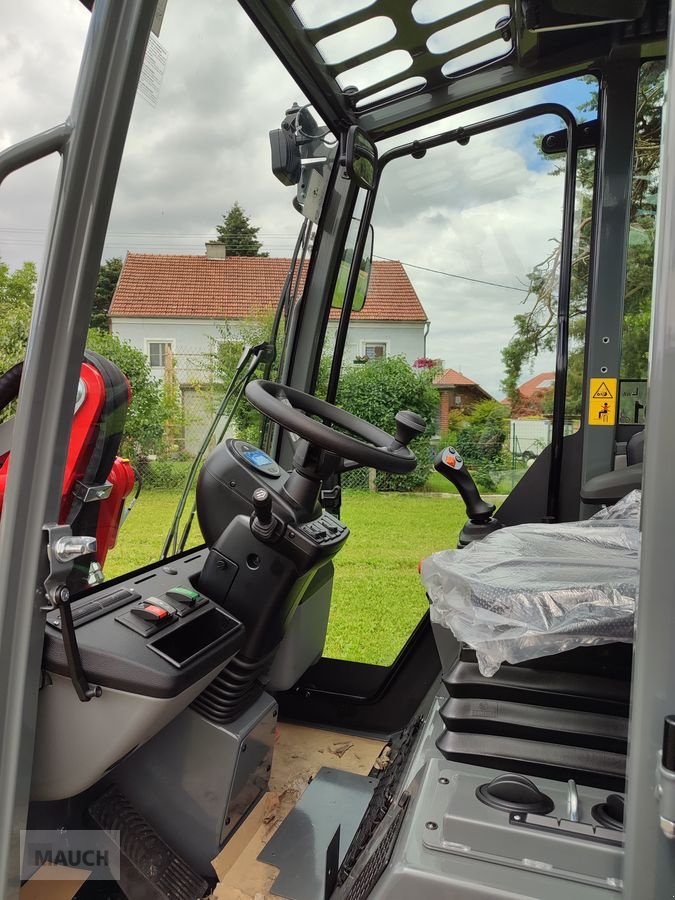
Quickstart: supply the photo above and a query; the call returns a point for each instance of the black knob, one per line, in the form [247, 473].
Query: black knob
[610, 814]
[262, 504]
[514, 793]
[408, 426]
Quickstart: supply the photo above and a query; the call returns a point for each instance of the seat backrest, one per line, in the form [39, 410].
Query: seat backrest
[635, 449]
[96, 481]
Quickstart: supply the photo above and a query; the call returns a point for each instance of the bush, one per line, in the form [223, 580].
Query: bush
[481, 441]
[150, 409]
[162, 474]
[378, 390]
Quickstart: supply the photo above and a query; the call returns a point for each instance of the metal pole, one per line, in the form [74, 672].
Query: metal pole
[650, 855]
[562, 336]
[609, 247]
[100, 114]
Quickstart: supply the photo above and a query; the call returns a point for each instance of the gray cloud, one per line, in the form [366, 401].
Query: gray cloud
[482, 211]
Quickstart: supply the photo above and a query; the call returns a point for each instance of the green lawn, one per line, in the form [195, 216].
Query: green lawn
[377, 596]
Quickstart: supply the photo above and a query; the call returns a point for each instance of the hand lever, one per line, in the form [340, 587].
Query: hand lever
[408, 426]
[451, 466]
[262, 520]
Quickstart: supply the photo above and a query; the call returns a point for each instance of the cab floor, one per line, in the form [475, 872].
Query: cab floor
[299, 753]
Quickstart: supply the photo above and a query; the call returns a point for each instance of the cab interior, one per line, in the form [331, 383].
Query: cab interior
[185, 712]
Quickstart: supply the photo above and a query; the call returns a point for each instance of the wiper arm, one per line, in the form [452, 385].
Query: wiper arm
[253, 356]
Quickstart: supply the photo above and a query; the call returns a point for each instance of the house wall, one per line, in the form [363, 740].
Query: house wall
[402, 338]
[468, 395]
[192, 338]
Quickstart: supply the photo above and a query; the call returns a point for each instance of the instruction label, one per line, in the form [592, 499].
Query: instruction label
[152, 72]
[602, 394]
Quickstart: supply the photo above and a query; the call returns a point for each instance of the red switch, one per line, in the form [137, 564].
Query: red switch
[150, 613]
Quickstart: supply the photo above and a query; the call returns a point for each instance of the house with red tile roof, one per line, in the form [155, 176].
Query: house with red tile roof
[531, 396]
[457, 391]
[183, 302]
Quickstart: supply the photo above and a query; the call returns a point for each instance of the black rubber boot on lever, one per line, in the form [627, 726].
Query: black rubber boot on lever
[450, 465]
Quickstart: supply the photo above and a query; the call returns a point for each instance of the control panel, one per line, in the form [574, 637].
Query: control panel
[148, 616]
[152, 633]
[325, 530]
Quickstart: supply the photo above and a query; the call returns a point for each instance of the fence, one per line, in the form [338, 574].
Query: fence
[497, 458]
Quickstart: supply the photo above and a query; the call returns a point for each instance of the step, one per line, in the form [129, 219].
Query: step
[596, 768]
[536, 723]
[558, 690]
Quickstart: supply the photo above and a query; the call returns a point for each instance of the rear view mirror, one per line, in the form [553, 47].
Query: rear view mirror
[360, 158]
[365, 266]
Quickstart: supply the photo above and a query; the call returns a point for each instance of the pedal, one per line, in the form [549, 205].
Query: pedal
[149, 867]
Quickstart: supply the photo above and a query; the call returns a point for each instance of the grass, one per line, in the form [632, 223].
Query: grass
[377, 596]
[502, 485]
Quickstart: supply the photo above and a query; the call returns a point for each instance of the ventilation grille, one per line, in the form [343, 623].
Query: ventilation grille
[399, 751]
[369, 875]
[152, 868]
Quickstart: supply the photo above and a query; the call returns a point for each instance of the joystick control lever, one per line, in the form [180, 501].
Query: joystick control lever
[450, 465]
[263, 524]
[408, 426]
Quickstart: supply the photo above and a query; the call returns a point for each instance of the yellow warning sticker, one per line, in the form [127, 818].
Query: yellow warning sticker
[602, 401]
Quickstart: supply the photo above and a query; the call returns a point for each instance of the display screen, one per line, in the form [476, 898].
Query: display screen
[258, 458]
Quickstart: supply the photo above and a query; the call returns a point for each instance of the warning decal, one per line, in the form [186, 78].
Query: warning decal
[602, 392]
[602, 401]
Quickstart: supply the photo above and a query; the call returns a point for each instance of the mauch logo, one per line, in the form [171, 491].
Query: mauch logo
[60, 850]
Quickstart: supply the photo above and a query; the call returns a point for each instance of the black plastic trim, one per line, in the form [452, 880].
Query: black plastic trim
[363, 697]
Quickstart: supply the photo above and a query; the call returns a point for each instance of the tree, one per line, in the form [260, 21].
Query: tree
[535, 330]
[144, 429]
[108, 276]
[376, 391]
[17, 290]
[238, 235]
[233, 338]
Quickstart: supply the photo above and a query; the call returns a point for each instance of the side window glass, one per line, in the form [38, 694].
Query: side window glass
[188, 276]
[640, 262]
[466, 240]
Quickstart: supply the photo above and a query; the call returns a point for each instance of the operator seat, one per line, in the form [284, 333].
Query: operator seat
[544, 617]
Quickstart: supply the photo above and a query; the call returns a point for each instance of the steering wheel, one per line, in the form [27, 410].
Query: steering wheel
[374, 447]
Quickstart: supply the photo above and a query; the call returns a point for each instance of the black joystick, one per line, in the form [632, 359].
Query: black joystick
[408, 426]
[262, 520]
[450, 465]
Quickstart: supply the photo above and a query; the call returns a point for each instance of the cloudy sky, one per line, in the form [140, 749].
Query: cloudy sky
[487, 211]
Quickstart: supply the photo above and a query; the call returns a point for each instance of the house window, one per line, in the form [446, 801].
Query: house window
[375, 350]
[458, 399]
[157, 353]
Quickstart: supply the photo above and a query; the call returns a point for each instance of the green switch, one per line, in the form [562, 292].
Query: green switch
[183, 595]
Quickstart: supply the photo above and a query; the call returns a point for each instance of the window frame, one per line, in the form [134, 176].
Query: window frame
[168, 342]
[364, 344]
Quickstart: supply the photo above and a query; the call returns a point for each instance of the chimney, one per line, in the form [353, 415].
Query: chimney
[215, 250]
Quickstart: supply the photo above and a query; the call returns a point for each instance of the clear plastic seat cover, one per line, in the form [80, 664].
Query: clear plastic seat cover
[533, 590]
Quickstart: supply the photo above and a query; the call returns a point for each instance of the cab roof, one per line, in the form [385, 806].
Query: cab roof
[389, 65]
